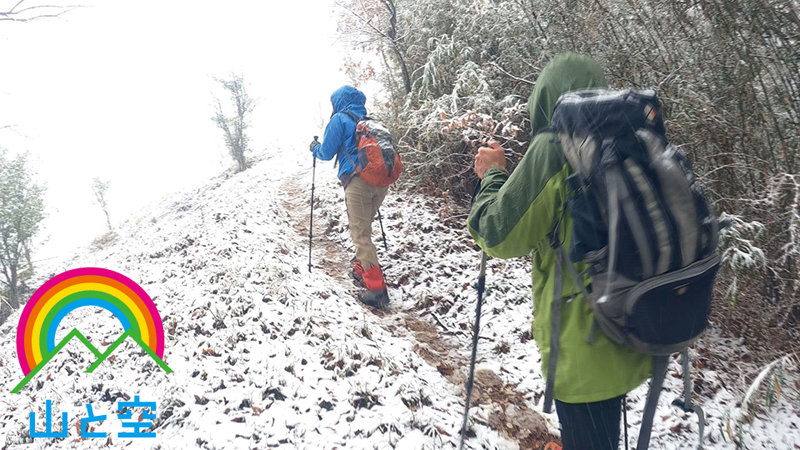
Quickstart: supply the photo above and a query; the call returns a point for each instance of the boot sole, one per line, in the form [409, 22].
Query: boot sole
[377, 305]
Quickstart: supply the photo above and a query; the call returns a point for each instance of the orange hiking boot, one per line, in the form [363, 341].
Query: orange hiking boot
[551, 446]
[375, 294]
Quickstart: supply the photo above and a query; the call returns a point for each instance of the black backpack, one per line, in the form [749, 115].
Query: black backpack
[642, 224]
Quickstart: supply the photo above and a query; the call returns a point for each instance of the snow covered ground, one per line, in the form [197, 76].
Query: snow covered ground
[268, 355]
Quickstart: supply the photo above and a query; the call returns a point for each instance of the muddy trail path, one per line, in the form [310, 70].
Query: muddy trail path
[446, 348]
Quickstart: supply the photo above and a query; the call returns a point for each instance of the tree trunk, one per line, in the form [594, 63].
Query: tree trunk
[403, 69]
[391, 8]
[13, 289]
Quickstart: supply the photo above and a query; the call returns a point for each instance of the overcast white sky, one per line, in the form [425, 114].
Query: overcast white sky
[124, 90]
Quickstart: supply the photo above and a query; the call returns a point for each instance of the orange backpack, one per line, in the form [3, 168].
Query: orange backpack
[378, 161]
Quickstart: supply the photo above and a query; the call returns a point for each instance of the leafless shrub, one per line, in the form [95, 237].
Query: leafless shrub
[234, 126]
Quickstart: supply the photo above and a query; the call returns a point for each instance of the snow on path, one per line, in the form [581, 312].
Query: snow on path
[503, 406]
[433, 268]
[267, 355]
[264, 354]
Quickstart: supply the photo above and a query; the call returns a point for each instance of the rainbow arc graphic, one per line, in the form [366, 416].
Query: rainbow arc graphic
[88, 286]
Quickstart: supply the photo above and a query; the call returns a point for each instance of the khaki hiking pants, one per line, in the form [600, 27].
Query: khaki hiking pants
[363, 200]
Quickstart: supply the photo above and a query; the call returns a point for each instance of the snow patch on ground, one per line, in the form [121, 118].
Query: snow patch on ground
[266, 354]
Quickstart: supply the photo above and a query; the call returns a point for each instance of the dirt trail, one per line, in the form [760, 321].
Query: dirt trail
[508, 413]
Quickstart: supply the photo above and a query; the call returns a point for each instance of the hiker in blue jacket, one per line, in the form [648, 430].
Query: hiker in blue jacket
[362, 199]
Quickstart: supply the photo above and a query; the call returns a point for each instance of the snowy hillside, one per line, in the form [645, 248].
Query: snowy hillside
[266, 354]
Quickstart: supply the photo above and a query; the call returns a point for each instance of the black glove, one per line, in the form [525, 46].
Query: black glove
[313, 144]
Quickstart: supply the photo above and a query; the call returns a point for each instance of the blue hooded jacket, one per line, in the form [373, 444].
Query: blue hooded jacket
[341, 130]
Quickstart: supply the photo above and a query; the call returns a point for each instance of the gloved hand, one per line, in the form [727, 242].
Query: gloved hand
[313, 144]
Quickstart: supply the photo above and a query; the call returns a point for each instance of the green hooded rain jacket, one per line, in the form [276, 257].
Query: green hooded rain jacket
[513, 215]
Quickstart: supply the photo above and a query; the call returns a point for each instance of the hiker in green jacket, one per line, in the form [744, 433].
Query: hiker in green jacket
[513, 216]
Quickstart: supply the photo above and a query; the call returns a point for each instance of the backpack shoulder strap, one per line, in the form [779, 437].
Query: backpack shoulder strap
[555, 312]
[356, 119]
[555, 323]
[562, 260]
[659, 373]
[547, 130]
[353, 116]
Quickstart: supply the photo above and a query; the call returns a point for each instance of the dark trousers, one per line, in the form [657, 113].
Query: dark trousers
[590, 426]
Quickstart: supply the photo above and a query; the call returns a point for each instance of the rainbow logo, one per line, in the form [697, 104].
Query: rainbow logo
[73, 289]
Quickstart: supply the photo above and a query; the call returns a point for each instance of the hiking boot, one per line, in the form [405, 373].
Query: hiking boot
[551, 446]
[375, 294]
[376, 299]
[358, 274]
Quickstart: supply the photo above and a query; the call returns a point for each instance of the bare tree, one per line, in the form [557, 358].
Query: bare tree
[21, 12]
[375, 25]
[99, 189]
[234, 126]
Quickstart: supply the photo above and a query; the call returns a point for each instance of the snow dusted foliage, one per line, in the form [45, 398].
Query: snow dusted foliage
[767, 251]
[453, 52]
[726, 72]
[737, 243]
[783, 195]
[21, 211]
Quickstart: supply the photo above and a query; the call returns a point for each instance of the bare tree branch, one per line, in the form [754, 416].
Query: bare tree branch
[513, 77]
[389, 36]
[34, 12]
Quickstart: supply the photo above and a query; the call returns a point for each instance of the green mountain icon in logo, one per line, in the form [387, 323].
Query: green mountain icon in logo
[101, 356]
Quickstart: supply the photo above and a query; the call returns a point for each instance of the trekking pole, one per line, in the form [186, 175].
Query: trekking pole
[471, 378]
[311, 222]
[380, 221]
[480, 287]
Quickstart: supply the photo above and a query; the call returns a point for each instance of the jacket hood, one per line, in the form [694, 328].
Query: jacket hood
[566, 72]
[348, 98]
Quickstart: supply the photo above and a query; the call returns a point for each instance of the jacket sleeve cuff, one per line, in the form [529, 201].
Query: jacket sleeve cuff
[492, 172]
